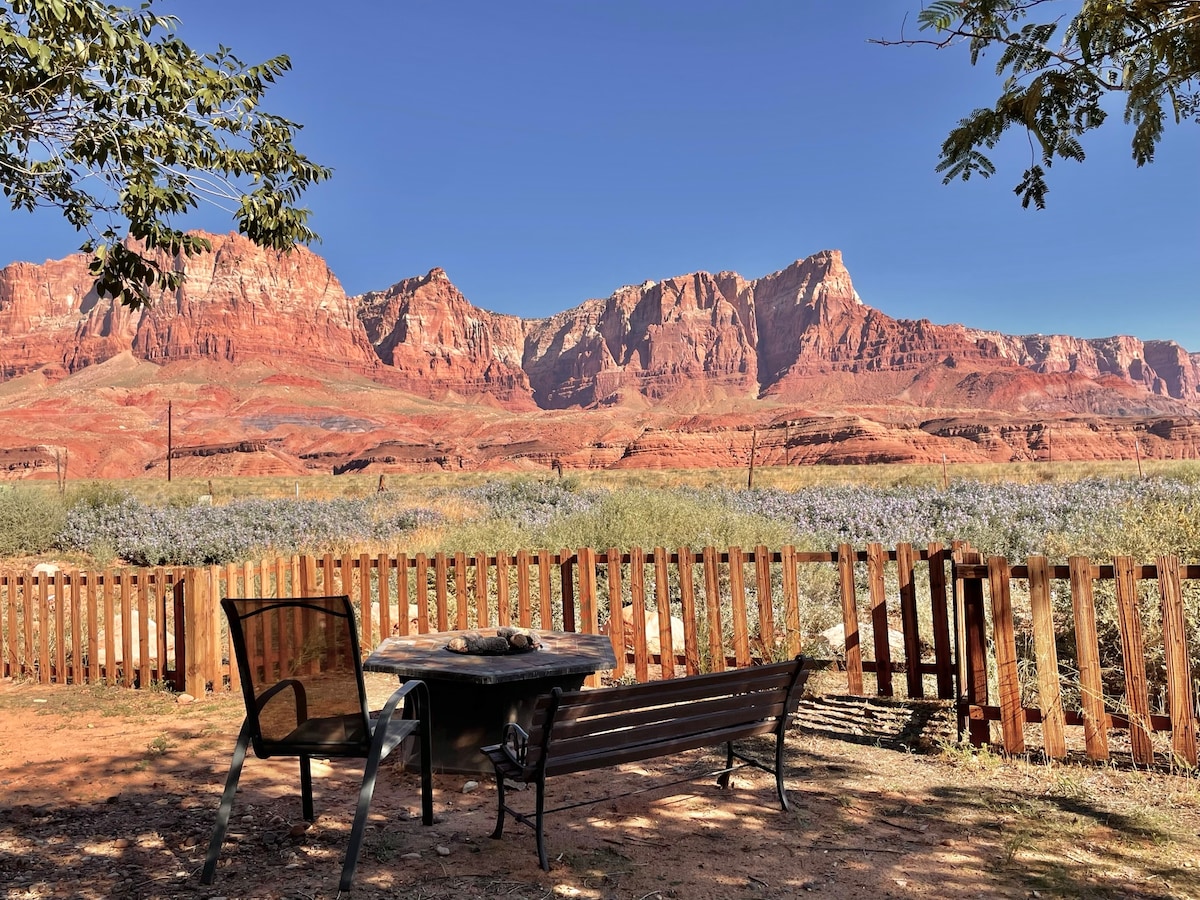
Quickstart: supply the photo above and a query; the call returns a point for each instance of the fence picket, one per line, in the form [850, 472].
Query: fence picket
[849, 597]
[481, 590]
[943, 650]
[764, 595]
[685, 560]
[78, 674]
[906, 582]
[637, 591]
[93, 629]
[1087, 648]
[1179, 678]
[877, 592]
[662, 602]
[402, 601]
[524, 593]
[421, 586]
[587, 590]
[441, 590]
[973, 617]
[737, 591]
[566, 569]
[712, 596]
[143, 635]
[791, 600]
[383, 581]
[1012, 715]
[616, 621]
[1049, 693]
[462, 609]
[503, 600]
[1137, 694]
[545, 595]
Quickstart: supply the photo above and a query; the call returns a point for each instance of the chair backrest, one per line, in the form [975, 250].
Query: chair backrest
[301, 673]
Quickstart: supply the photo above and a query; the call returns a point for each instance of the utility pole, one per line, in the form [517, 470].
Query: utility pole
[169, 440]
[753, 451]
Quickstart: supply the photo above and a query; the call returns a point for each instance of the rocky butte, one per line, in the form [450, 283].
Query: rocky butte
[268, 367]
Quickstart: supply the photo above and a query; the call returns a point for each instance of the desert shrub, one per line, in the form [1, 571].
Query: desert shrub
[96, 494]
[664, 518]
[30, 520]
[529, 503]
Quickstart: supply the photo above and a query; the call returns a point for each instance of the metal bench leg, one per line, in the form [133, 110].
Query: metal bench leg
[723, 778]
[499, 829]
[779, 741]
[541, 838]
[306, 797]
[226, 807]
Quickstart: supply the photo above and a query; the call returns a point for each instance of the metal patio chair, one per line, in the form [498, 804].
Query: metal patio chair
[301, 671]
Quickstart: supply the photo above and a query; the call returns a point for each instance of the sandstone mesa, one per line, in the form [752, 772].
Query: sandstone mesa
[270, 368]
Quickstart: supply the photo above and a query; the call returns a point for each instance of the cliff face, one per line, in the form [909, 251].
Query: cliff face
[239, 303]
[433, 342]
[800, 335]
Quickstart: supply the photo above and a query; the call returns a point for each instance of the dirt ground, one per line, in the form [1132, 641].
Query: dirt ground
[110, 793]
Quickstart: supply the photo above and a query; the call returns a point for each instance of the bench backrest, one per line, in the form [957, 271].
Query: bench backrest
[578, 730]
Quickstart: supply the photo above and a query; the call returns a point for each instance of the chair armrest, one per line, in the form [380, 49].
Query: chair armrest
[301, 698]
[420, 703]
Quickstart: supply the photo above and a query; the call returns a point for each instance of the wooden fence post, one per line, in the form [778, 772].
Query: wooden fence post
[198, 617]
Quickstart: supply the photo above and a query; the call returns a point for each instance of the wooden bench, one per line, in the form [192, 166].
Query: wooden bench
[582, 730]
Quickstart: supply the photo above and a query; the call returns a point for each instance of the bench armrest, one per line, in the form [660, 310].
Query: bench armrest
[515, 743]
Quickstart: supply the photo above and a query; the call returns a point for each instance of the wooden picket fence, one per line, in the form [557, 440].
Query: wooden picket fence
[958, 617]
[118, 626]
[735, 607]
[1123, 704]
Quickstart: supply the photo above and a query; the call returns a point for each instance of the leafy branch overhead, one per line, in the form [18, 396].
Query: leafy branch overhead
[1058, 70]
[110, 118]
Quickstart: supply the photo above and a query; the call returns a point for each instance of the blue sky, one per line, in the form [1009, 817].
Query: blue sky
[547, 152]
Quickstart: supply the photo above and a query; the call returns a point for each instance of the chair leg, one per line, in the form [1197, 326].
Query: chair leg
[499, 829]
[426, 742]
[370, 774]
[226, 807]
[306, 795]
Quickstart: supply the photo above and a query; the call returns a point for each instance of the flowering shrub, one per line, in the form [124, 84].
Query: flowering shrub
[201, 535]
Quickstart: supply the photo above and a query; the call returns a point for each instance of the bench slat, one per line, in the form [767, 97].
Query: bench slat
[688, 715]
[632, 753]
[664, 732]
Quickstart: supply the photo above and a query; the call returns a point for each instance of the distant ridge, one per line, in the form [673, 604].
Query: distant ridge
[705, 352]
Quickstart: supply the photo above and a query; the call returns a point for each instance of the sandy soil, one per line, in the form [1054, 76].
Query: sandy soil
[112, 794]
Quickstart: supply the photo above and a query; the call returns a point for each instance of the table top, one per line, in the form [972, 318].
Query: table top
[425, 656]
